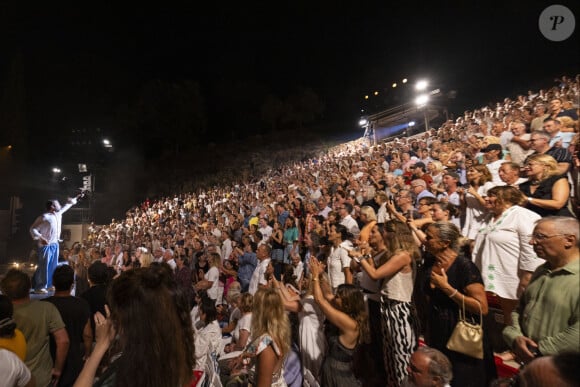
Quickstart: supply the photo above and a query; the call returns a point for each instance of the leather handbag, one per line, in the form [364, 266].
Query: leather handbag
[467, 338]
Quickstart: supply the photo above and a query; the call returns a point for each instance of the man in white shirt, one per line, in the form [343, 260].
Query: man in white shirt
[347, 220]
[168, 258]
[259, 276]
[265, 229]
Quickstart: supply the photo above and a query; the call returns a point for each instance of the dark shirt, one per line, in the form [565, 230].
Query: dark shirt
[75, 313]
[96, 297]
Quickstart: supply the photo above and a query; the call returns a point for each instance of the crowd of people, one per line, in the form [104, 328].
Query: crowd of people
[348, 268]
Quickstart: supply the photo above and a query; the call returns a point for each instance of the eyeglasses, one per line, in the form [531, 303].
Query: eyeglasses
[541, 237]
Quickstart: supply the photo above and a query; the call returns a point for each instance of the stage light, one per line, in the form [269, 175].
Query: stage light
[366, 97]
[404, 80]
[421, 85]
[56, 170]
[394, 85]
[422, 100]
[412, 123]
[362, 122]
[106, 142]
[376, 93]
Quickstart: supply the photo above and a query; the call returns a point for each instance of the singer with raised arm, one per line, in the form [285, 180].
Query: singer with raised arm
[46, 230]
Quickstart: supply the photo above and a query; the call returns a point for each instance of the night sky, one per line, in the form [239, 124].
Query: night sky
[84, 65]
[99, 55]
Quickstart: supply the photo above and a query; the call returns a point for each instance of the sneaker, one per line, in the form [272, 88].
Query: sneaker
[41, 291]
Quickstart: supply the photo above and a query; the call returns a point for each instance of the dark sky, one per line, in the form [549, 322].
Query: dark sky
[80, 63]
[341, 49]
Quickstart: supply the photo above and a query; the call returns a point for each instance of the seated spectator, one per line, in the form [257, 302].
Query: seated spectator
[208, 338]
[243, 330]
[428, 368]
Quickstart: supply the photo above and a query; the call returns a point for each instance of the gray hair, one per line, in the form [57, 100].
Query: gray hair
[439, 364]
[564, 225]
[447, 231]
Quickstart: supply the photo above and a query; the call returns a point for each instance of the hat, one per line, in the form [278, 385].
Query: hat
[491, 147]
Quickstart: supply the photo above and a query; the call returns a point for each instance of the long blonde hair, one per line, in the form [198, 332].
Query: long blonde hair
[269, 317]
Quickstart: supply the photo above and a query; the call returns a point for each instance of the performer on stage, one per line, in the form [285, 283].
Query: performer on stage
[46, 230]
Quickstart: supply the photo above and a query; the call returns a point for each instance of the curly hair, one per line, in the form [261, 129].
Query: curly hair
[352, 303]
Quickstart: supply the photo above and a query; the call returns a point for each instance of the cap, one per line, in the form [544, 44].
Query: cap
[491, 147]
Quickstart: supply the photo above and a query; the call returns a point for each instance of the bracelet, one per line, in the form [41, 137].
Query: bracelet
[453, 294]
[314, 279]
[530, 199]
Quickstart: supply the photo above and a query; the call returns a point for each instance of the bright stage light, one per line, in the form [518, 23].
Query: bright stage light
[422, 100]
[56, 170]
[362, 122]
[394, 85]
[404, 80]
[421, 85]
[412, 123]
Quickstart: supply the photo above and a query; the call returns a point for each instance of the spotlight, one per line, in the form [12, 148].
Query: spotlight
[362, 122]
[421, 85]
[412, 123]
[422, 100]
[376, 93]
[394, 85]
[366, 97]
[404, 80]
[56, 170]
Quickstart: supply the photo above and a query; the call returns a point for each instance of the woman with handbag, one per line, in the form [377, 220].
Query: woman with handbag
[450, 282]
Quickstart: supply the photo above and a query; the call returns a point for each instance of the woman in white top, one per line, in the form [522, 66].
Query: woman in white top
[242, 332]
[208, 338]
[399, 321]
[210, 281]
[502, 250]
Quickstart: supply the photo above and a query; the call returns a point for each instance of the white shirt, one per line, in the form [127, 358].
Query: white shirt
[337, 261]
[502, 248]
[207, 340]
[493, 168]
[14, 372]
[351, 225]
[213, 275]
[266, 233]
[258, 276]
[49, 225]
[226, 249]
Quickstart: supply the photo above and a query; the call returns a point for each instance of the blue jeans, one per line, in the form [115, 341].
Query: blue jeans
[47, 260]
